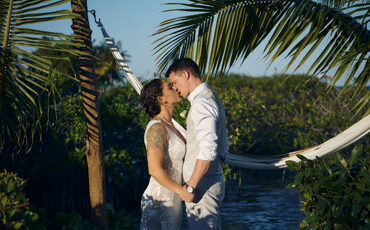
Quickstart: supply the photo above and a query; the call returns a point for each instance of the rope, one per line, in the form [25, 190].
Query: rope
[118, 57]
[340, 141]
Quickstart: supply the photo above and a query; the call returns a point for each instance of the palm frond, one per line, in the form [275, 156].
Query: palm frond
[234, 28]
[23, 74]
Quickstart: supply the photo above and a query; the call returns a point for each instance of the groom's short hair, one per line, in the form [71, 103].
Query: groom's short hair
[184, 64]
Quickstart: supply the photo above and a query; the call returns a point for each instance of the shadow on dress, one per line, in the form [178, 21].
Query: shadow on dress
[156, 215]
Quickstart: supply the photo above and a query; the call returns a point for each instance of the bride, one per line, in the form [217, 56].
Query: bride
[165, 145]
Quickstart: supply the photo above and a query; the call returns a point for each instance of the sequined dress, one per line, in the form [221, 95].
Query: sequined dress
[160, 207]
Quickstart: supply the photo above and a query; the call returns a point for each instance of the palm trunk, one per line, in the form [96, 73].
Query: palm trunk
[89, 90]
[3, 53]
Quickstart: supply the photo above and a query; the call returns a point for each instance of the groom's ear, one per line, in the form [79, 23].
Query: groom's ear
[186, 74]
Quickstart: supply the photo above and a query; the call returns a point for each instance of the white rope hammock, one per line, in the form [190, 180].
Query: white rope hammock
[342, 140]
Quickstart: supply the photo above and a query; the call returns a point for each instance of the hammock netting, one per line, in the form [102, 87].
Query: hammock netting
[340, 141]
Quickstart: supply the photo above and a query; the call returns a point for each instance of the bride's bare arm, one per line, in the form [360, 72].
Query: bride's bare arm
[156, 140]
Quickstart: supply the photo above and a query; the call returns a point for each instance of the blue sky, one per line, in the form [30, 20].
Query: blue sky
[133, 21]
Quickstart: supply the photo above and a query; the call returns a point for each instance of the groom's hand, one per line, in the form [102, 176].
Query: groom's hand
[185, 196]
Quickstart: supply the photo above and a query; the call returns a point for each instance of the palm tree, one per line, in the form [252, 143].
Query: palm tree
[106, 66]
[218, 33]
[90, 94]
[24, 76]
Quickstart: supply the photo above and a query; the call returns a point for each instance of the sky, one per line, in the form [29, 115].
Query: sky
[133, 21]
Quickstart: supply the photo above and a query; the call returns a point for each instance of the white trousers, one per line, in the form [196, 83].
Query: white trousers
[204, 213]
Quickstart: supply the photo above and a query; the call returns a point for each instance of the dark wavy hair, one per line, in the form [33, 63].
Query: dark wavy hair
[149, 97]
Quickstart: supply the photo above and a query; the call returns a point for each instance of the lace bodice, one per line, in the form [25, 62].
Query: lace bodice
[173, 156]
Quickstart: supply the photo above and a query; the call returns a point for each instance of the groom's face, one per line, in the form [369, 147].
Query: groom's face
[179, 83]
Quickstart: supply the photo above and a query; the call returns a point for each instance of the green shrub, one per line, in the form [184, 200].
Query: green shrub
[119, 220]
[123, 124]
[335, 192]
[15, 209]
[265, 116]
[275, 115]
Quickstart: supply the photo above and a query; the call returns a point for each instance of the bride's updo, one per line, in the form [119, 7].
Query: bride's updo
[149, 97]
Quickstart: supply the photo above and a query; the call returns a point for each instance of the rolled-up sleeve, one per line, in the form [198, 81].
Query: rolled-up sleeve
[205, 114]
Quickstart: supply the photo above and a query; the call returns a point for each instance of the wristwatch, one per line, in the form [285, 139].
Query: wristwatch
[189, 189]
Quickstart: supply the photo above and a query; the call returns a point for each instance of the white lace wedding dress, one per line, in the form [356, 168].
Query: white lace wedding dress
[160, 207]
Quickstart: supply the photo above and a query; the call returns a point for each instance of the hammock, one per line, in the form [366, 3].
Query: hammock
[342, 140]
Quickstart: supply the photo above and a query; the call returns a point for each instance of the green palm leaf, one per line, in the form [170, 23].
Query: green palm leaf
[296, 28]
[24, 76]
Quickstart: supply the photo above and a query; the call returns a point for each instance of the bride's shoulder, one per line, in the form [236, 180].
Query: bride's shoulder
[155, 135]
[155, 127]
[154, 122]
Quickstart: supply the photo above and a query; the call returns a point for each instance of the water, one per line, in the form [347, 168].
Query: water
[261, 202]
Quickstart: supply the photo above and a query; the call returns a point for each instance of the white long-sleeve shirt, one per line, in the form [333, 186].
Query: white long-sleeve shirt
[205, 114]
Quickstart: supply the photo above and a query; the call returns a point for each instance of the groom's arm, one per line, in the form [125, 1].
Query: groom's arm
[204, 116]
[200, 169]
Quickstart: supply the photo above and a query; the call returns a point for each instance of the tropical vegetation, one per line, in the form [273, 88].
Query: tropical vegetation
[24, 76]
[260, 121]
[334, 194]
[217, 34]
[71, 138]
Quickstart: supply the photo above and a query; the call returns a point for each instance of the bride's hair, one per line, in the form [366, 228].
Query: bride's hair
[149, 97]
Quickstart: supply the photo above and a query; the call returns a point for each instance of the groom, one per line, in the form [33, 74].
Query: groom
[207, 144]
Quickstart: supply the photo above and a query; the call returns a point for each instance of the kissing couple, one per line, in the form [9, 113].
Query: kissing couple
[184, 166]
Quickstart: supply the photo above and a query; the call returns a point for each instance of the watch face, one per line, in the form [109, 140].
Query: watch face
[190, 189]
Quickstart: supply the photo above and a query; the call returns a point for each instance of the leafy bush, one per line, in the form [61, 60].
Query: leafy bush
[265, 116]
[61, 220]
[276, 115]
[119, 220]
[123, 124]
[15, 209]
[17, 213]
[335, 192]
[268, 116]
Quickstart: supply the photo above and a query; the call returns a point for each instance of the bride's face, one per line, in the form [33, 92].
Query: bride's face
[169, 95]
